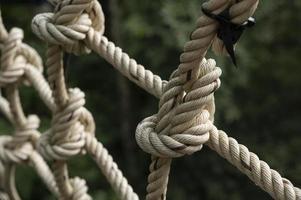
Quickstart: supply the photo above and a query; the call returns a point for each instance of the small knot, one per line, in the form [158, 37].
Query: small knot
[15, 154]
[80, 189]
[3, 196]
[186, 121]
[69, 24]
[66, 138]
[15, 57]
[28, 132]
[33, 123]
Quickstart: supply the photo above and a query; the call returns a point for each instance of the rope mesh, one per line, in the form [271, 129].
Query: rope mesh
[183, 125]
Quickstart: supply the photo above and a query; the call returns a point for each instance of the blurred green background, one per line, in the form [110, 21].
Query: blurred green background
[258, 103]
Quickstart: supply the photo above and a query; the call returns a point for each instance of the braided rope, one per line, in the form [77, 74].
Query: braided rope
[183, 124]
[124, 64]
[176, 116]
[65, 30]
[248, 163]
[17, 60]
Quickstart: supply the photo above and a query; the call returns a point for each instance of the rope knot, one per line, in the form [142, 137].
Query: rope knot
[16, 56]
[18, 148]
[12, 153]
[69, 24]
[184, 120]
[28, 132]
[80, 189]
[66, 138]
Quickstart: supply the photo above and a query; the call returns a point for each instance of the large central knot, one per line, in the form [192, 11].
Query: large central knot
[69, 24]
[15, 57]
[67, 136]
[185, 118]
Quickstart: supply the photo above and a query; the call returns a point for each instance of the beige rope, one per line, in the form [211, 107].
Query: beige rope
[63, 129]
[202, 37]
[16, 59]
[72, 123]
[124, 64]
[177, 138]
[257, 170]
[185, 96]
[4, 109]
[95, 40]
[3, 31]
[186, 109]
[3, 196]
[110, 169]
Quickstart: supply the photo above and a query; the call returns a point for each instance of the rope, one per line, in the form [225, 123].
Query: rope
[183, 124]
[186, 96]
[72, 129]
[16, 60]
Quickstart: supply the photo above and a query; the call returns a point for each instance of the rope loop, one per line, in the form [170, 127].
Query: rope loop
[27, 133]
[70, 125]
[69, 24]
[19, 147]
[183, 123]
[80, 189]
[16, 56]
[14, 154]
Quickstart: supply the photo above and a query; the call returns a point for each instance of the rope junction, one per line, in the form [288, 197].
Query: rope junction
[183, 125]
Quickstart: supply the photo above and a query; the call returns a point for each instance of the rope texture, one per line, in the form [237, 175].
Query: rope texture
[186, 97]
[16, 59]
[183, 124]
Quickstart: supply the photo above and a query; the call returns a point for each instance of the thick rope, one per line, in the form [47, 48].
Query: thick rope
[186, 110]
[186, 95]
[16, 59]
[110, 169]
[124, 64]
[65, 30]
[248, 163]
[168, 138]
[179, 89]
[4, 109]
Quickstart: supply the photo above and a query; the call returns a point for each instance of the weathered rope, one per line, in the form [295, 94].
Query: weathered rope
[186, 96]
[72, 129]
[248, 163]
[183, 124]
[16, 59]
[193, 52]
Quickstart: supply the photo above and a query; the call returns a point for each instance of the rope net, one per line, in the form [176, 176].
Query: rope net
[183, 124]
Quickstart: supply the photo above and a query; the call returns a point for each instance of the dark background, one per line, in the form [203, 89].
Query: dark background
[258, 103]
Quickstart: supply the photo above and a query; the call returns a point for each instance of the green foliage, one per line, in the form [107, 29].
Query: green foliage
[258, 103]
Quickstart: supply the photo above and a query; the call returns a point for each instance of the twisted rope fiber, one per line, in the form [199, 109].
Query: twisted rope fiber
[93, 38]
[16, 58]
[66, 121]
[177, 114]
[102, 49]
[192, 99]
[69, 135]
